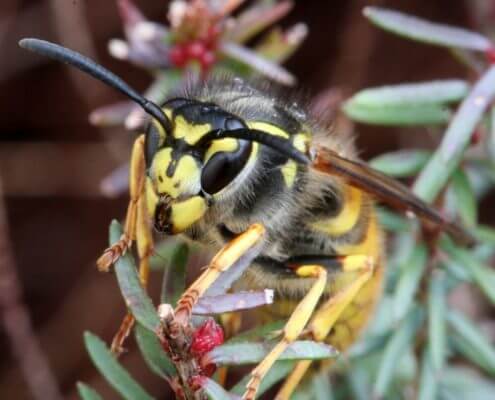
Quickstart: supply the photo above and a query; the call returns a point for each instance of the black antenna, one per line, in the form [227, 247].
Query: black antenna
[97, 71]
[277, 143]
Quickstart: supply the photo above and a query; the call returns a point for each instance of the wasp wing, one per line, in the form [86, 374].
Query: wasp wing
[387, 189]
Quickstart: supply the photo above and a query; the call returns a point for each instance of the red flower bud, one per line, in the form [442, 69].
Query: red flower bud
[207, 60]
[206, 338]
[178, 56]
[195, 50]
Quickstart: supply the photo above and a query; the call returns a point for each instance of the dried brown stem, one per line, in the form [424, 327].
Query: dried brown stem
[17, 323]
[177, 339]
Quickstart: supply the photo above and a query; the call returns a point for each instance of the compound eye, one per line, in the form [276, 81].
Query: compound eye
[152, 143]
[223, 167]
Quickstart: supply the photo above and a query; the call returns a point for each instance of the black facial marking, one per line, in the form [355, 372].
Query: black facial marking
[198, 113]
[162, 217]
[152, 144]
[223, 167]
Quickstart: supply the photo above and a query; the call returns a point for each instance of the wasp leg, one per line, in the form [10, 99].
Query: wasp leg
[328, 313]
[136, 228]
[144, 241]
[222, 261]
[136, 190]
[293, 327]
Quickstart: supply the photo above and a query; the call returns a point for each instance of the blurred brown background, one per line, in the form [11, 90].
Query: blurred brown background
[52, 160]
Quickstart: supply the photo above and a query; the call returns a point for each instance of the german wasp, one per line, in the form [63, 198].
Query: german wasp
[229, 165]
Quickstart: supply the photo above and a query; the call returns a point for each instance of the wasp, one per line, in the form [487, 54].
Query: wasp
[233, 167]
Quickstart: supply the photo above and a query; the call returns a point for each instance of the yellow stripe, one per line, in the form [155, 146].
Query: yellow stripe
[189, 132]
[227, 145]
[371, 246]
[268, 128]
[347, 217]
[289, 171]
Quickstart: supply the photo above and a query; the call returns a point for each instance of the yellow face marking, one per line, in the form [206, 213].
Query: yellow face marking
[268, 128]
[151, 197]
[227, 145]
[347, 217]
[289, 171]
[189, 132]
[185, 213]
[184, 181]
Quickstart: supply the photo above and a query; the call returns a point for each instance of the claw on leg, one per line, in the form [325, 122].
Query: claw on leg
[113, 253]
[123, 332]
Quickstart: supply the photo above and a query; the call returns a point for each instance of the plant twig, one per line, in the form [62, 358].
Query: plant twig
[17, 323]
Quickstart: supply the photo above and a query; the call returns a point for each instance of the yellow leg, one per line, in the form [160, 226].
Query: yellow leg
[293, 380]
[328, 313]
[223, 260]
[136, 190]
[293, 327]
[136, 228]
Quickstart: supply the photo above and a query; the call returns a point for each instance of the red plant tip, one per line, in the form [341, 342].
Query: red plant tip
[476, 137]
[490, 55]
[196, 382]
[212, 36]
[207, 60]
[206, 338]
[195, 49]
[178, 56]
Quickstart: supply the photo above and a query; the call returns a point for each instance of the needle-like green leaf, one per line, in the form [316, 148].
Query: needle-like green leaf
[135, 297]
[110, 368]
[153, 353]
[400, 115]
[465, 199]
[460, 383]
[436, 321]
[413, 94]
[252, 353]
[214, 391]
[471, 342]
[395, 348]
[426, 31]
[174, 276]
[483, 275]
[392, 221]
[409, 281]
[457, 137]
[87, 392]
[401, 164]
[428, 384]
